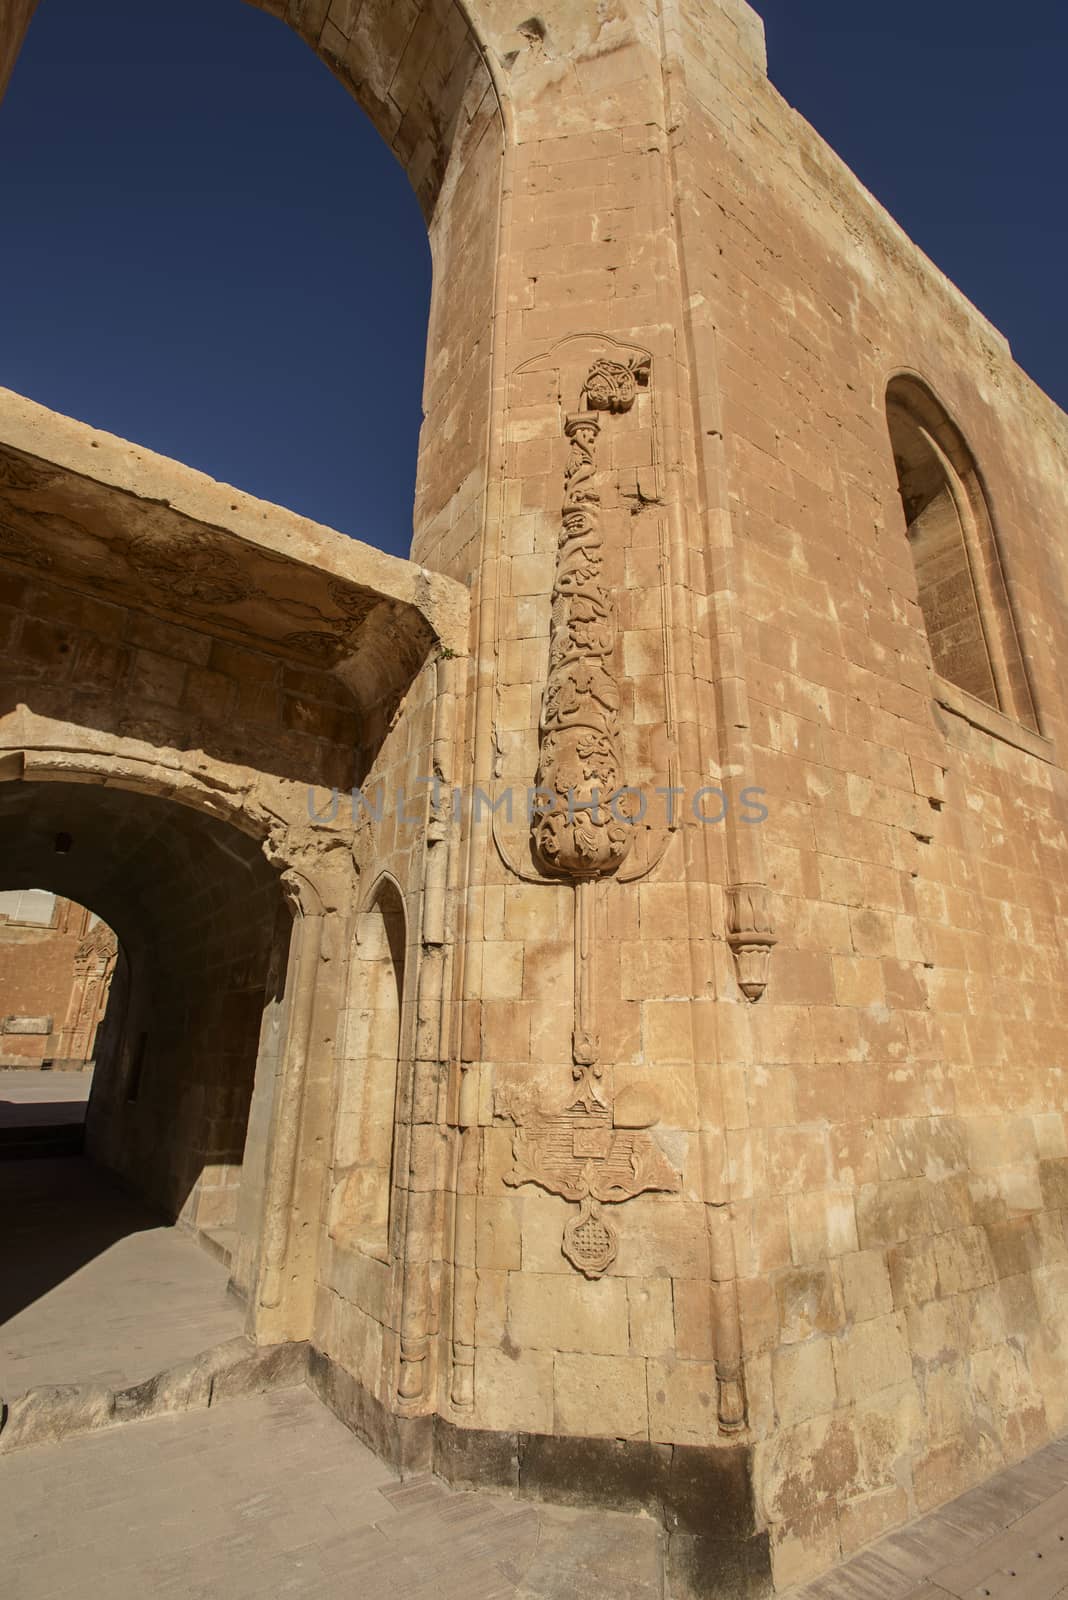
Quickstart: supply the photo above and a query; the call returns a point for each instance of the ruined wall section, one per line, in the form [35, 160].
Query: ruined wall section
[897, 1134]
[132, 675]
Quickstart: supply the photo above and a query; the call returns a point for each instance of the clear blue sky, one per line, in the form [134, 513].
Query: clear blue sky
[205, 247]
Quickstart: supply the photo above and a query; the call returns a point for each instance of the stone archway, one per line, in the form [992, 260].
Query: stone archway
[203, 921]
[421, 73]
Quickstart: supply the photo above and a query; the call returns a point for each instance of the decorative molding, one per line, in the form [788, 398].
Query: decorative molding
[989, 720]
[98, 945]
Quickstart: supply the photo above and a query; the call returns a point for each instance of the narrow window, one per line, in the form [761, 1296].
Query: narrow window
[961, 586]
[137, 1071]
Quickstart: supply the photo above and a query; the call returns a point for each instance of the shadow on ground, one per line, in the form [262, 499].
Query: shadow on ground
[59, 1214]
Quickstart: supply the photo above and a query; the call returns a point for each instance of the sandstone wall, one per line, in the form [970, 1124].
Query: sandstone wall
[869, 1157]
[774, 1245]
[42, 979]
[897, 1136]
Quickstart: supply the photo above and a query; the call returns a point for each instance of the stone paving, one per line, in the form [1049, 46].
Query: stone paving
[29, 1097]
[93, 1286]
[272, 1497]
[1005, 1540]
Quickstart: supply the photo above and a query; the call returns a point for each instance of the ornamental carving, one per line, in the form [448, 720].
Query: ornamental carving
[582, 830]
[26, 476]
[322, 648]
[193, 568]
[579, 1154]
[751, 935]
[354, 604]
[97, 948]
[22, 547]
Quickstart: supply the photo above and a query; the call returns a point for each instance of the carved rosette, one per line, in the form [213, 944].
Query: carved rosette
[579, 833]
[751, 935]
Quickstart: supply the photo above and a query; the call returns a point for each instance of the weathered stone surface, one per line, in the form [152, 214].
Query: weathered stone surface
[53, 1412]
[227, 1372]
[717, 1132]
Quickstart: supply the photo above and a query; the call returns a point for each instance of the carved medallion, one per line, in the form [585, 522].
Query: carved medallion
[589, 1243]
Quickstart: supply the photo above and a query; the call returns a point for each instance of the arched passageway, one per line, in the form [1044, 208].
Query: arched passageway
[57, 963]
[204, 929]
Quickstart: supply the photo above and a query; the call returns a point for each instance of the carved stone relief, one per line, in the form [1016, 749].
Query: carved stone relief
[583, 834]
[579, 1154]
[193, 568]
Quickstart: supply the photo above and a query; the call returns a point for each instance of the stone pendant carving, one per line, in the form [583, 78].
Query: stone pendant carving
[582, 833]
[578, 833]
[579, 1154]
[751, 935]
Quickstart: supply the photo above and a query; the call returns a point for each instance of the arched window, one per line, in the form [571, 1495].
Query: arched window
[961, 585]
[363, 1151]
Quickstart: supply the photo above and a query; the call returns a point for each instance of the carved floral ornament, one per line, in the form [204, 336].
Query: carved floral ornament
[588, 1150]
[579, 753]
[192, 567]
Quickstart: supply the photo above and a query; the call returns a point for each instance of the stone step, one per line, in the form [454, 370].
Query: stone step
[227, 1371]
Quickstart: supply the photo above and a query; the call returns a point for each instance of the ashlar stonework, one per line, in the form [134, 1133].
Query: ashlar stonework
[704, 1151]
[57, 962]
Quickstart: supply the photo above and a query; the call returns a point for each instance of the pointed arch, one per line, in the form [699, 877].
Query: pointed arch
[365, 1136]
[961, 584]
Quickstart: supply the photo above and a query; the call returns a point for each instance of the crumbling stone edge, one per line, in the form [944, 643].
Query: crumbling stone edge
[225, 1372]
[702, 1495]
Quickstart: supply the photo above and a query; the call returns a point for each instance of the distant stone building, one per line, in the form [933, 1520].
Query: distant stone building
[56, 965]
[606, 977]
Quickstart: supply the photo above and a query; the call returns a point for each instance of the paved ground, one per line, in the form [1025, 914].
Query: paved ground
[93, 1286]
[1006, 1540]
[273, 1497]
[34, 1098]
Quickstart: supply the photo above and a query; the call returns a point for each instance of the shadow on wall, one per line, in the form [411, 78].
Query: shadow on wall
[204, 932]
